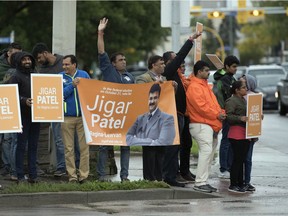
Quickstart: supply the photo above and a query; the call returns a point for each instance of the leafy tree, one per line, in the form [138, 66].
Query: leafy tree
[261, 36]
[134, 26]
[228, 30]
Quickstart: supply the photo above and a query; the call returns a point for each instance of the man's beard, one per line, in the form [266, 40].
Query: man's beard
[27, 66]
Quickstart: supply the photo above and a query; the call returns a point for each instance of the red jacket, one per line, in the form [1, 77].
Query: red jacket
[202, 105]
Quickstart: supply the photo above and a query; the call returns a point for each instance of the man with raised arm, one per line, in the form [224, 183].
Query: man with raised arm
[113, 70]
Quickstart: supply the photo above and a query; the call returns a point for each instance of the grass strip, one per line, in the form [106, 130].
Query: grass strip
[87, 186]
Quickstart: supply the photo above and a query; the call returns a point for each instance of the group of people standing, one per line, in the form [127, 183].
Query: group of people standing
[200, 114]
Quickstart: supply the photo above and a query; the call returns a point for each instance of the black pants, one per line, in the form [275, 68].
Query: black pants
[185, 148]
[153, 162]
[240, 149]
[170, 164]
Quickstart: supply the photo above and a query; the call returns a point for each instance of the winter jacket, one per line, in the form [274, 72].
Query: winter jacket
[170, 72]
[235, 107]
[110, 74]
[22, 78]
[71, 97]
[4, 65]
[202, 105]
[224, 81]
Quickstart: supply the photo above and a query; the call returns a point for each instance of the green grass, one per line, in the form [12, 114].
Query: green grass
[89, 186]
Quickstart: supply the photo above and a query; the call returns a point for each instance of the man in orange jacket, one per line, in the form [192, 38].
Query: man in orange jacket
[205, 116]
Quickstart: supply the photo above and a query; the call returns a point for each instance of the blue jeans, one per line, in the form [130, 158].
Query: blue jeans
[248, 163]
[13, 153]
[60, 151]
[60, 154]
[6, 145]
[124, 160]
[29, 135]
[170, 163]
[225, 152]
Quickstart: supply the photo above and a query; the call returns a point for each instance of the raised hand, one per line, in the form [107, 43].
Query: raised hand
[102, 24]
[196, 35]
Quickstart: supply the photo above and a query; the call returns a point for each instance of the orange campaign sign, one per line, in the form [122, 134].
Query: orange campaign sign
[110, 109]
[47, 95]
[198, 43]
[10, 117]
[254, 113]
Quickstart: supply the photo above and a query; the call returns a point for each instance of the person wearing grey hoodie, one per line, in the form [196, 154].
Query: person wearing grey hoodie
[251, 83]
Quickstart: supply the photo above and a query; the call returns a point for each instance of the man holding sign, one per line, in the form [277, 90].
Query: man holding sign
[25, 65]
[73, 121]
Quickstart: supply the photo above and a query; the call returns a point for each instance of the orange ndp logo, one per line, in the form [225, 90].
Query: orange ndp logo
[47, 95]
[10, 117]
[110, 109]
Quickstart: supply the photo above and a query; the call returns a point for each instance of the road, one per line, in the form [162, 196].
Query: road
[270, 176]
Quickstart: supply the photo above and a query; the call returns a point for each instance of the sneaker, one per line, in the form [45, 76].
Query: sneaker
[203, 188]
[13, 178]
[4, 171]
[21, 181]
[180, 179]
[175, 183]
[59, 173]
[188, 177]
[236, 189]
[103, 179]
[125, 179]
[250, 187]
[73, 181]
[224, 175]
[83, 181]
[212, 188]
[33, 181]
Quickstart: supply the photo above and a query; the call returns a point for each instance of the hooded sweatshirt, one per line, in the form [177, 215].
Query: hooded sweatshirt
[251, 82]
[22, 78]
[224, 81]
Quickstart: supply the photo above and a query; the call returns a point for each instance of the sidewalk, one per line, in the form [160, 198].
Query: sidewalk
[269, 175]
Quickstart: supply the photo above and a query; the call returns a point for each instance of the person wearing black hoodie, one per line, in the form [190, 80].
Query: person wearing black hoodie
[25, 65]
[173, 62]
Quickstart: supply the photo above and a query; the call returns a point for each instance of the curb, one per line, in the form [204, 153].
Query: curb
[52, 198]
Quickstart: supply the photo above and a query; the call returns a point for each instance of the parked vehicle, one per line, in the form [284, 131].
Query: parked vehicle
[267, 85]
[255, 70]
[285, 65]
[282, 96]
[267, 77]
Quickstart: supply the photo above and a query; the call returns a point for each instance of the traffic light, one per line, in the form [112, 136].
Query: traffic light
[256, 13]
[216, 15]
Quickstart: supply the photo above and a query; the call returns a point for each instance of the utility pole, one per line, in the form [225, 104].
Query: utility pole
[64, 27]
[175, 27]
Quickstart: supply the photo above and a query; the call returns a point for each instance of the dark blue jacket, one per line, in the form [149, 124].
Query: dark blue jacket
[71, 97]
[110, 74]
